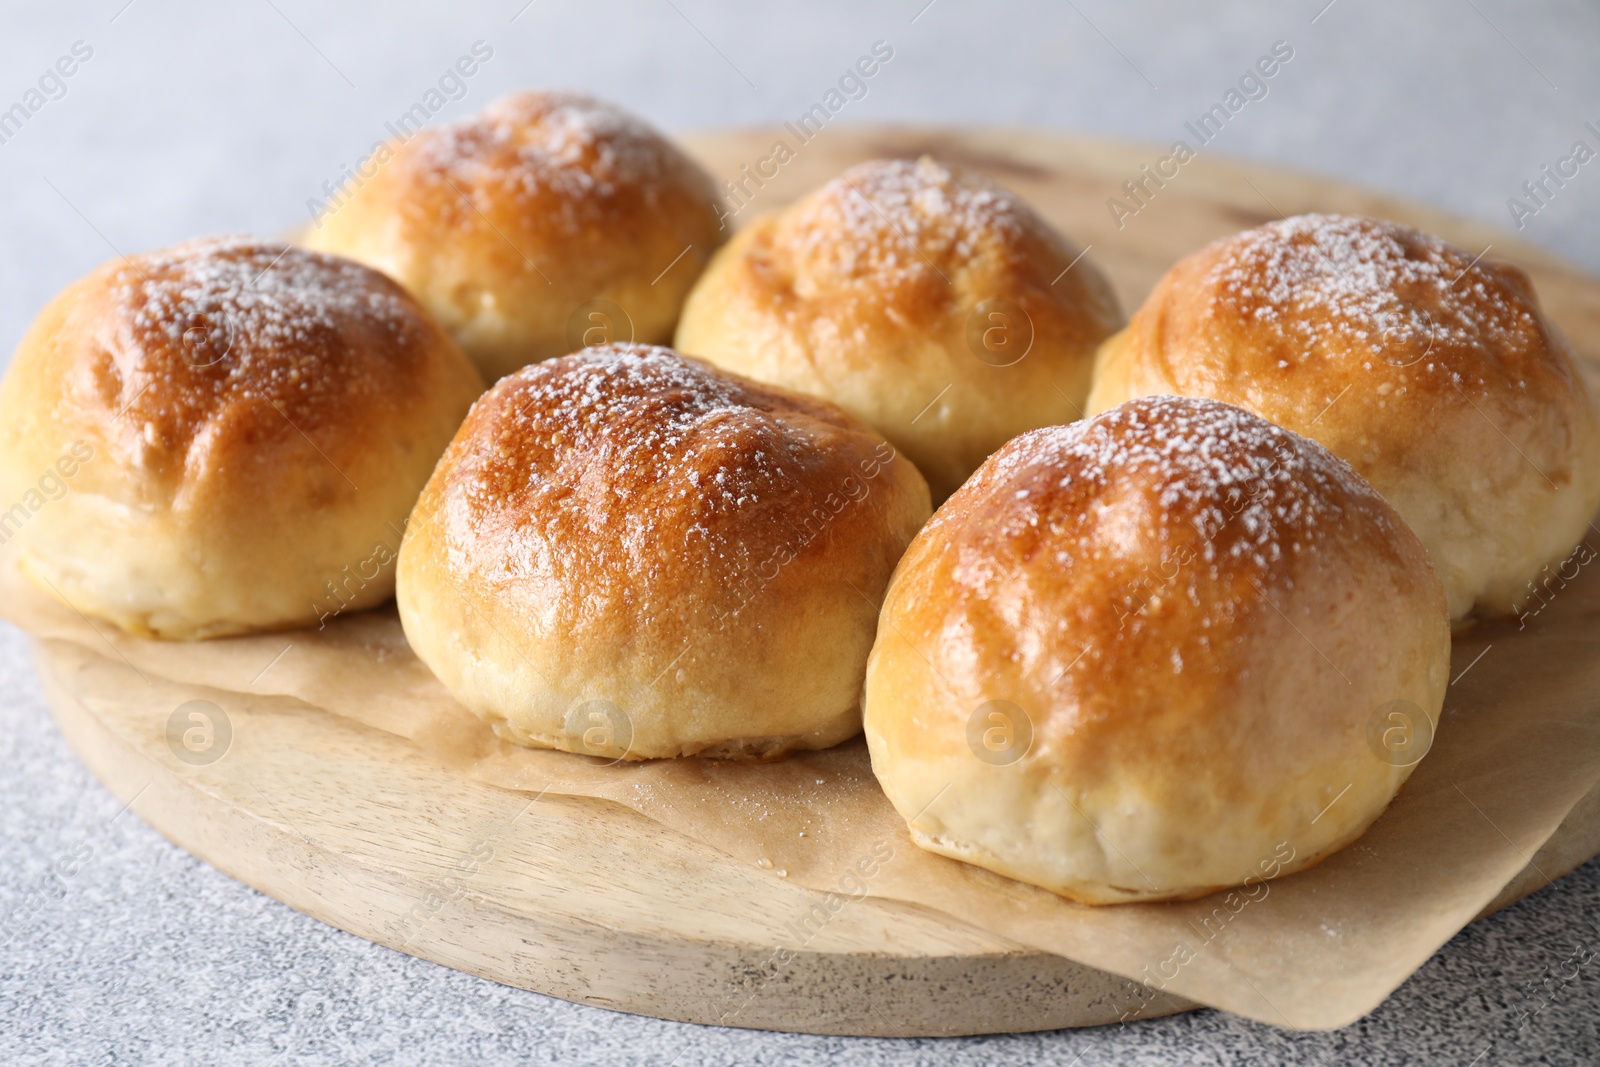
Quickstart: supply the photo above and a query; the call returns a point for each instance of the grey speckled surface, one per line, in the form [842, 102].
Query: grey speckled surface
[116, 947]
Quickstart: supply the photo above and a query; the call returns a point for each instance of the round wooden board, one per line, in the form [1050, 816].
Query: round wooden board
[593, 903]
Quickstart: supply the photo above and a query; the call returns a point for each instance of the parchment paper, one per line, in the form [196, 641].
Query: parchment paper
[1517, 747]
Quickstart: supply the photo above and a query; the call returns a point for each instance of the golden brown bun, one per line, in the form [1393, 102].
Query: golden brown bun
[928, 302]
[1191, 621]
[233, 433]
[630, 554]
[1437, 378]
[510, 225]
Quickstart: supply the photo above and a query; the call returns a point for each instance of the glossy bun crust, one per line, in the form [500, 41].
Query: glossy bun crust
[928, 302]
[1187, 619]
[690, 560]
[248, 426]
[509, 224]
[1436, 376]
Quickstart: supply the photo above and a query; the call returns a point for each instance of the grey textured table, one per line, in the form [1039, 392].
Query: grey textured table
[190, 118]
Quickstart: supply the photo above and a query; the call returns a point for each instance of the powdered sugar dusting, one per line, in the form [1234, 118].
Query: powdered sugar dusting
[1213, 462]
[582, 399]
[579, 148]
[891, 219]
[1161, 497]
[625, 460]
[229, 320]
[256, 296]
[1367, 283]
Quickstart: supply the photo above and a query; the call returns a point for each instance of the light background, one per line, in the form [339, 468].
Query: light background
[197, 117]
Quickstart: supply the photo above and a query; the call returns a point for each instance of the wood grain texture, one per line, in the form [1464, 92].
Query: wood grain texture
[593, 903]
